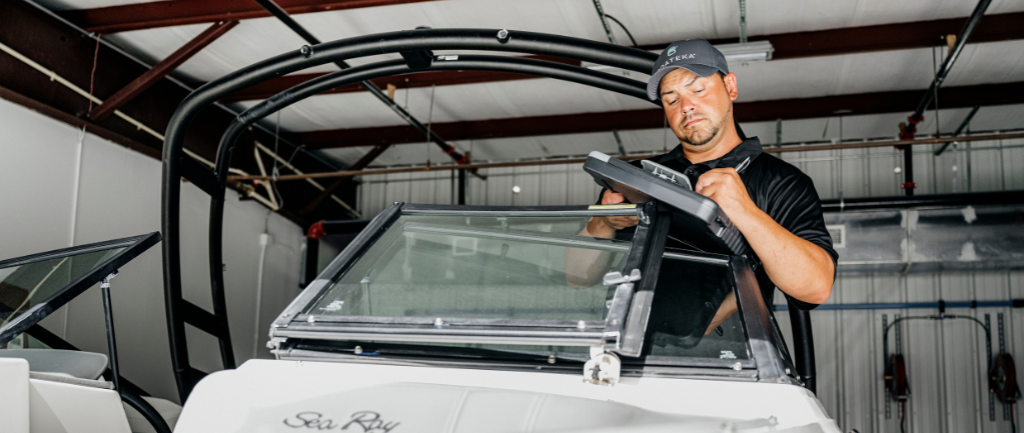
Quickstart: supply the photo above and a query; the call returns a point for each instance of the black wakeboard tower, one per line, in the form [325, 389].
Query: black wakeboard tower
[416, 48]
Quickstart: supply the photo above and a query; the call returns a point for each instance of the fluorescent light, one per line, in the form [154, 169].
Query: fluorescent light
[749, 52]
[734, 54]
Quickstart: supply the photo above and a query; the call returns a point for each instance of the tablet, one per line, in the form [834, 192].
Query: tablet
[696, 219]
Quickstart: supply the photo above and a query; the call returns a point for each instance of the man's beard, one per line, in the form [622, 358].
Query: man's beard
[711, 134]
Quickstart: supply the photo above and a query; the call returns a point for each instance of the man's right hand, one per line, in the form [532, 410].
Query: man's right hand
[605, 227]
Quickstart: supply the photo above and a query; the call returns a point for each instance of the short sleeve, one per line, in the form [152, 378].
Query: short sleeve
[794, 204]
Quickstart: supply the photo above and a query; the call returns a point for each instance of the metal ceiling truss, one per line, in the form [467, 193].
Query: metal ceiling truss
[415, 59]
[69, 51]
[140, 16]
[849, 40]
[175, 166]
[757, 111]
[161, 69]
[575, 160]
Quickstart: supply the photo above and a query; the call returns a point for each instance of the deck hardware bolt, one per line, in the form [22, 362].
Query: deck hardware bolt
[581, 325]
[307, 51]
[551, 359]
[357, 350]
[737, 366]
[311, 319]
[503, 36]
[438, 322]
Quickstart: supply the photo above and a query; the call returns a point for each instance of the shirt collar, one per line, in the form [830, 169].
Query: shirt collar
[747, 151]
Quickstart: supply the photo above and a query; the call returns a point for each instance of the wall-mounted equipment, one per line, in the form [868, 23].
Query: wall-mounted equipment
[1002, 380]
[1001, 372]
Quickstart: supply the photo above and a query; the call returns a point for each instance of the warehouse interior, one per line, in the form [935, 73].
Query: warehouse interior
[908, 120]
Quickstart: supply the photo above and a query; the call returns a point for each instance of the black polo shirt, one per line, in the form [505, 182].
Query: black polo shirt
[778, 188]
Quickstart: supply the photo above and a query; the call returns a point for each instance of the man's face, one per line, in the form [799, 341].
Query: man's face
[698, 108]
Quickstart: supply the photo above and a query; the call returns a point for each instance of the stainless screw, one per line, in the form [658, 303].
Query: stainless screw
[438, 322]
[307, 51]
[581, 325]
[311, 319]
[503, 36]
[737, 366]
[357, 350]
[551, 359]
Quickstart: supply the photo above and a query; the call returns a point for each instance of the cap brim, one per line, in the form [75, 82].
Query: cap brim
[655, 82]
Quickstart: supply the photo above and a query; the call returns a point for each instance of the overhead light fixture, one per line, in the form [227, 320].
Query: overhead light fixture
[759, 51]
[740, 53]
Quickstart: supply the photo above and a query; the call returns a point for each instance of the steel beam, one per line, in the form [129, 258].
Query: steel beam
[757, 111]
[572, 160]
[161, 69]
[886, 37]
[44, 38]
[963, 125]
[140, 16]
[359, 165]
[76, 122]
[414, 123]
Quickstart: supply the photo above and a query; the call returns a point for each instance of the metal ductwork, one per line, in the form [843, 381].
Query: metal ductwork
[929, 240]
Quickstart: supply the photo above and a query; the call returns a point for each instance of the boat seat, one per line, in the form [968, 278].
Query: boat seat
[167, 409]
[81, 365]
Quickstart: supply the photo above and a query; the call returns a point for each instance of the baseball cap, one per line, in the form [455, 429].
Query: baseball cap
[694, 55]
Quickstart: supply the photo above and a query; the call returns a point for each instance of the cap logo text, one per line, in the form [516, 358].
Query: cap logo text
[678, 58]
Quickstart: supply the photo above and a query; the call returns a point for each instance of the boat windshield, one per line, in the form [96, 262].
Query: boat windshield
[475, 267]
[451, 272]
[26, 285]
[33, 286]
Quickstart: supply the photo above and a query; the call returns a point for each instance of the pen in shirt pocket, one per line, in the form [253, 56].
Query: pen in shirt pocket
[743, 165]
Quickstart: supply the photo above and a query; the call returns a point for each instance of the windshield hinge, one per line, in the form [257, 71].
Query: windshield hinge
[616, 277]
[603, 368]
[275, 344]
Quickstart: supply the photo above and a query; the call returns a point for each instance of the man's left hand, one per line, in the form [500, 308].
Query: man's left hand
[724, 186]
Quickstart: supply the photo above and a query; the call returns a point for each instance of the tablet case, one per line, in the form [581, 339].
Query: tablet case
[696, 219]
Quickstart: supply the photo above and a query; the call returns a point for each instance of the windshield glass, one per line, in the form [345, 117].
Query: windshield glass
[24, 286]
[679, 332]
[690, 292]
[478, 267]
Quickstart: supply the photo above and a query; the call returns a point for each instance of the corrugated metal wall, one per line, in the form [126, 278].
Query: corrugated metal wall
[946, 360]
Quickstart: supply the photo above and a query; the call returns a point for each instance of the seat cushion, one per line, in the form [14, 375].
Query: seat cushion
[168, 410]
[82, 365]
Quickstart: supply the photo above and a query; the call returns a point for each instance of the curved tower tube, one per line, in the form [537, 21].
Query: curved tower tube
[175, 167]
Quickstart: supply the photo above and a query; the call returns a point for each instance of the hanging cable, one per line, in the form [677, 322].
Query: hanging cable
[623, 26]
[274, 170]
[743, 21]
[92, 75]
[903, 417]
[604, 22]
[137, 124]
[430, 121]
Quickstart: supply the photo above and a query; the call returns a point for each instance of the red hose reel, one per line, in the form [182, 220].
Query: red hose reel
[1002, 379]
[896, 378]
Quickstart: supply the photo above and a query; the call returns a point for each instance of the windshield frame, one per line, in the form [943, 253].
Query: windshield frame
[133, 247]
[625, 324]
[293, 323]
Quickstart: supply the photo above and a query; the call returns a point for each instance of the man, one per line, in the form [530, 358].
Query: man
[771, 202]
